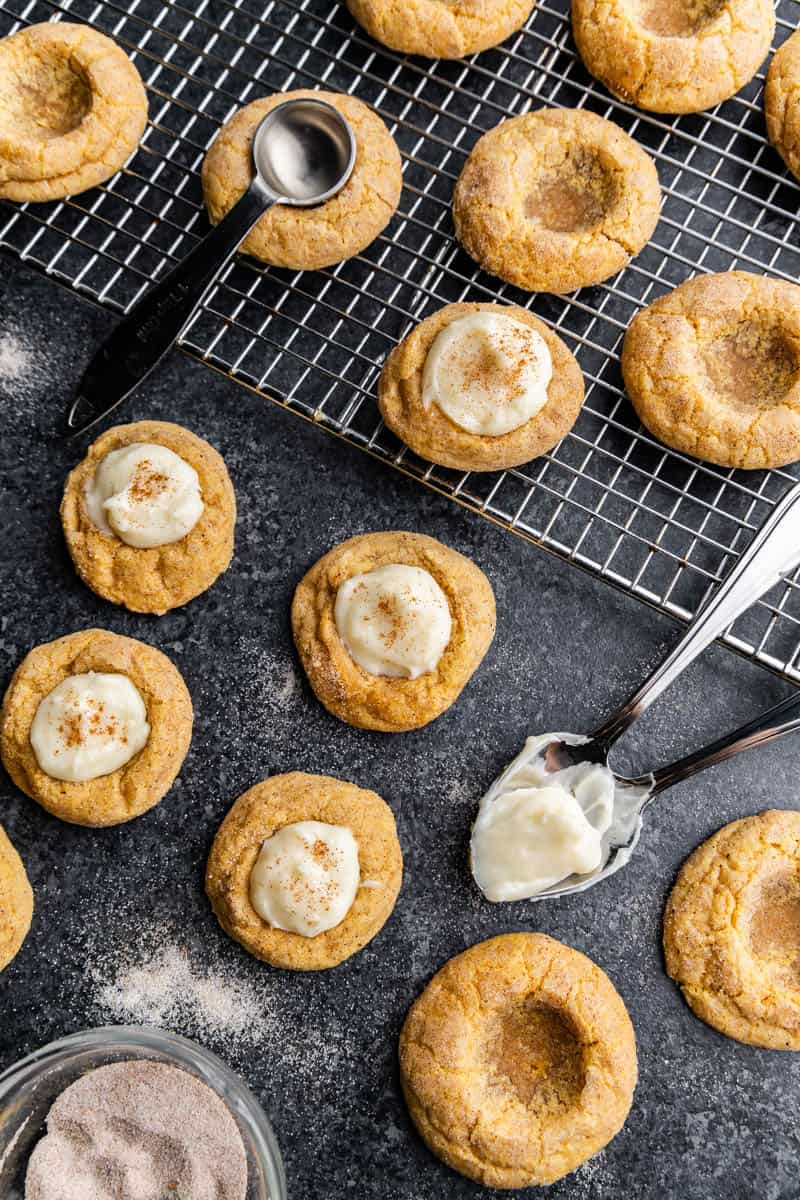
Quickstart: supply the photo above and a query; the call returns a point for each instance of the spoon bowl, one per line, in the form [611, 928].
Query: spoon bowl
[304, 152]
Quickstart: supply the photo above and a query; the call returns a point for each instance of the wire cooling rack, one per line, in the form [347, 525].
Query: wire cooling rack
[609, 498]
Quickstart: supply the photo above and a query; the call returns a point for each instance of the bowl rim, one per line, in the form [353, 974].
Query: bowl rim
[213, 1069]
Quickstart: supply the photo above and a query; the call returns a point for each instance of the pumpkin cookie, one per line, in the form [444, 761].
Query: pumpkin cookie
[72, 111]
[782, 102]
[149, 516]
[713, 369]
[673, 56]
[305, 870]
[16, 901]
[518, 1061]
[555, 200]
[390, 627]
[481, 387]
[306, 239]
[441, 28]
[732, 930]
[95, 727]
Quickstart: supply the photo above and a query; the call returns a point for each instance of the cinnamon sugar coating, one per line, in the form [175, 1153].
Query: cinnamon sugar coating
[16, 901]
[673, 56]
[713, 369]
[72, 110]
[307, 239]
[430, 432]
[158, 578]
[518, 1061]
[440, 28]
[284, 800]
[555, 200]
[377, 701]
[144, 779]
[732, 930]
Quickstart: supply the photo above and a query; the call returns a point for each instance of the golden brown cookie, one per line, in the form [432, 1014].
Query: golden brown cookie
[518, 1061]
[732, 930]
[673, 56]
[430, 432]
[306, 239]
[555, 200]
[441, 28]
[16, 901]
[782, 102]
[377, 701]
[713, 369]
[158, 578]
[72, 110]
[261, 812]
[141, 782]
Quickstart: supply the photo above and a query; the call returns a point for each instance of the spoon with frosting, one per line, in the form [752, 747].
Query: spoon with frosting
[558, 819]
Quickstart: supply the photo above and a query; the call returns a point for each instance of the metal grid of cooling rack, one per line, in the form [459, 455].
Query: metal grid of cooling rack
[609, 498]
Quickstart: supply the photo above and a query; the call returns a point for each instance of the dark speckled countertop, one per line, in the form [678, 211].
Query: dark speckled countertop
[711, 1118]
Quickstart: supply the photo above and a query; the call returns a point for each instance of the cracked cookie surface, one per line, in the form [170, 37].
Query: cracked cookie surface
[518, 1061]
[307, 239]
[732, 930]
[153, 579]
[392, 705]
[430, 432]
[440, 28]
[782, 102]
[16, 901]
[283, 800]
[72, 110]
[555, 200]
[713, 369]
[673, 56]
[147, 777]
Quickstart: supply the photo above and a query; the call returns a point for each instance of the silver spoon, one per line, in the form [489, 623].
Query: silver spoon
[304, 152]
[773, 551]
[632, 796]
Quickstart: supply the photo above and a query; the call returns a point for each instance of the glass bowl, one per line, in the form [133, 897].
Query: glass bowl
[28, 1089]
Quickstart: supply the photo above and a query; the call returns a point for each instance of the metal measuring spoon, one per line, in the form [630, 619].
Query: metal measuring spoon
[773, 551]
[304, 152]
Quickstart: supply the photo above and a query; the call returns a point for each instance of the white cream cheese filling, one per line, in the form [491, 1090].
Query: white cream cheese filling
[393, 620]
[535, 829]
[89, 725]
[488, 373]
[306, 877]
[145, 494]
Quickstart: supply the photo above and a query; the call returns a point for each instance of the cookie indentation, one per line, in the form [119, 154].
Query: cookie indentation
[576, 198]
[774, 929]
[45, 99]
[751, 366]
[683, 19]
[536, 1053]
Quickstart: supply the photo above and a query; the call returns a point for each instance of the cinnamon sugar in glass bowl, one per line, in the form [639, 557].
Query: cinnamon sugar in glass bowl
[29, 1088]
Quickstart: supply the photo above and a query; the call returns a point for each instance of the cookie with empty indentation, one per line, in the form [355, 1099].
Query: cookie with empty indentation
[673, 56]
[440, 28]
[555, 200]
[713, 369]
[307, 239]
[782, 102]
[732, 930]
[149, 516]
[72, 110]
[518, 1061]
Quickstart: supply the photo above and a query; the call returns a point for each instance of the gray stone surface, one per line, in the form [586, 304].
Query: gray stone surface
[711, 1118]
